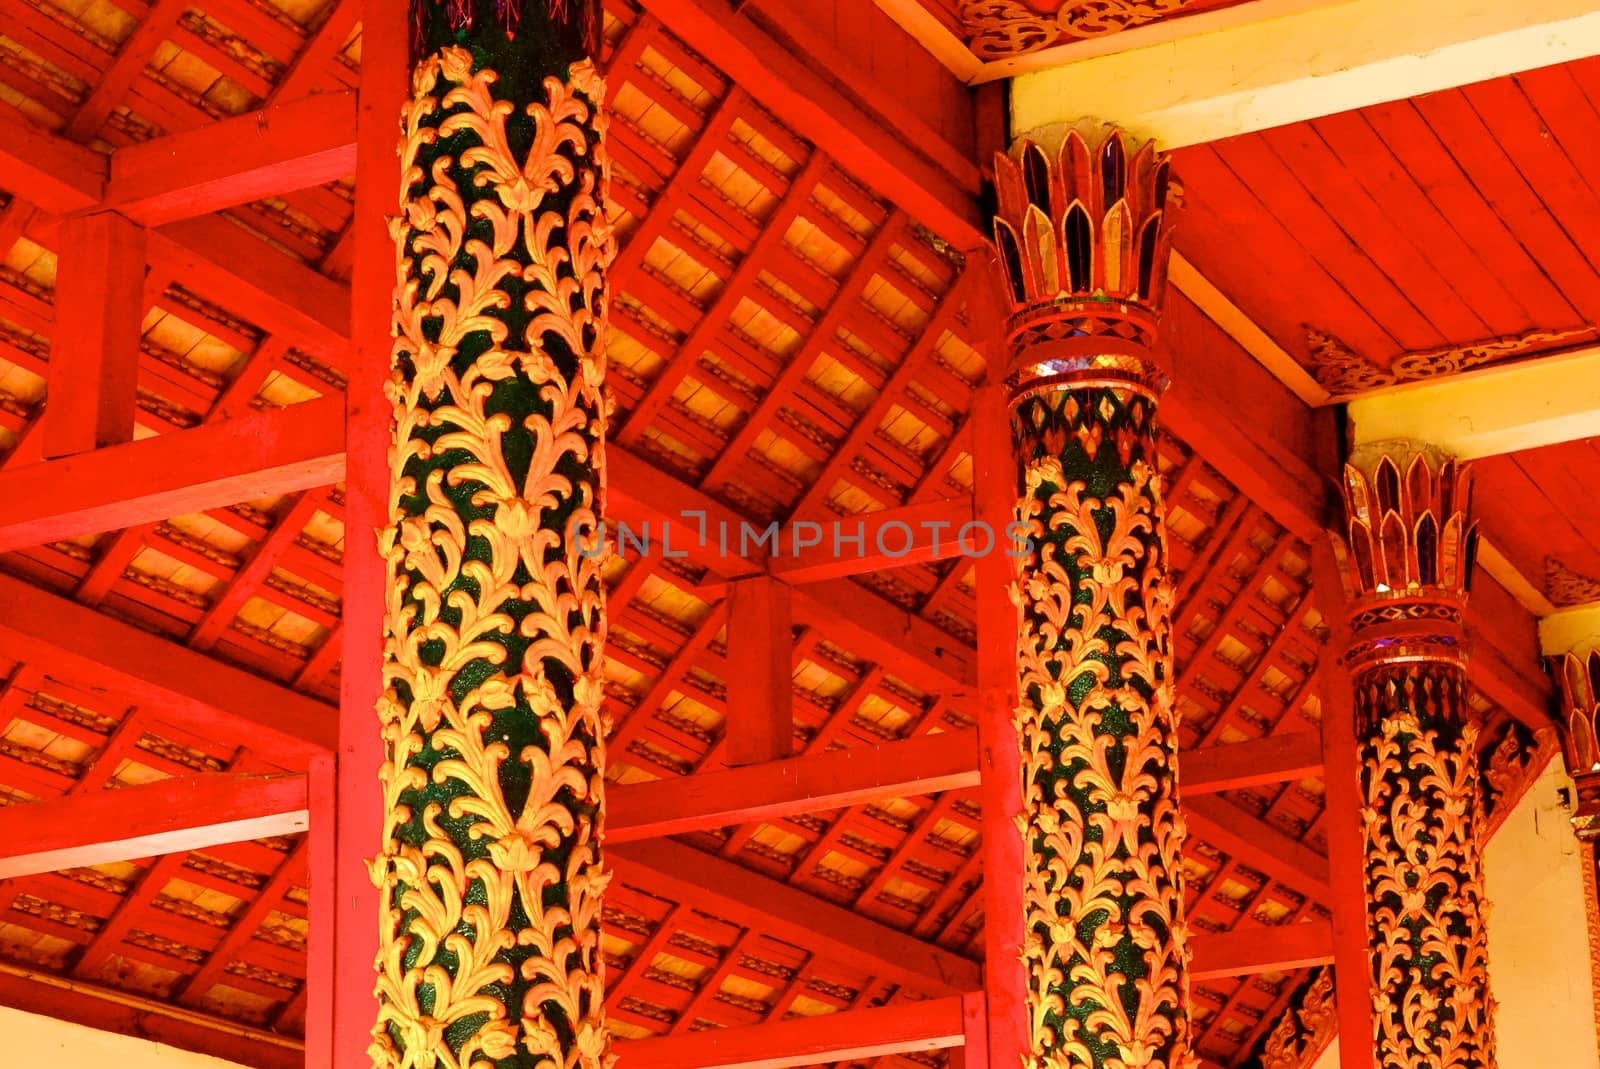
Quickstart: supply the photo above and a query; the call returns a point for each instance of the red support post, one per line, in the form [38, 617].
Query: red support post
[1001, 760]
[1342, 824]
[94, 351]
[350, 1004]
[760, 719]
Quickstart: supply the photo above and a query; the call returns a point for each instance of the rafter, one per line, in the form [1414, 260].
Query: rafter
[1254, 948]
[168, 816]
[1261, 846]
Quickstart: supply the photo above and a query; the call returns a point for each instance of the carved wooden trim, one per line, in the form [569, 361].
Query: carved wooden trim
[1566, 588]
[998, 29]
[1343, 372]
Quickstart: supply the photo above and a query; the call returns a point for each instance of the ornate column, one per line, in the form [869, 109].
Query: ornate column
[1577, 673]
[494, 772]
[1410, 550]
[1082, 239]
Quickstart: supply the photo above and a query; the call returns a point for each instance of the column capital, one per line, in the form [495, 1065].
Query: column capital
[1082, 235]
[1577, 673]
[1410, 543]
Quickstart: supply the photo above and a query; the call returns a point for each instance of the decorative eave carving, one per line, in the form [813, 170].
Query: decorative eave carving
[999, 29]
[1306, 1028]
[1344, 372]
[1410, 552]
[1578, 678]
[1082, 238]
[1566, 588]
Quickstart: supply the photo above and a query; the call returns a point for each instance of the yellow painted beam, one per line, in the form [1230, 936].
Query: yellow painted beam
[1305, 63]
[1491, 411]
[1575, 630]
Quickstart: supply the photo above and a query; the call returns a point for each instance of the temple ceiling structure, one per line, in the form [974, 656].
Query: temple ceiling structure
[800, 324]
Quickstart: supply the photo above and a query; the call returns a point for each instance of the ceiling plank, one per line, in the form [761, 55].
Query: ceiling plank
[208, 697]
[1259, 845]
[151, 820]
[751, 900]
[854, 1035]
[1305, 64]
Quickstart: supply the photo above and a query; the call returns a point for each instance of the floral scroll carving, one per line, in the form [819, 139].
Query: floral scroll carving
[1080, 233]
[1343, 372]
[1000, 29]
[493, 781]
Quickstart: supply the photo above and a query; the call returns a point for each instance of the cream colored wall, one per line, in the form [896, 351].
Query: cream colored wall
[1538, 938]
[28, 1041]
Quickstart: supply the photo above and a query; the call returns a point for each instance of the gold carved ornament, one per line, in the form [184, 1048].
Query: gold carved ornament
[1578, 683]
[1305, 1029]
[493, 785]
[1343, 372]
[1104, 942]
[1000, 29]
[1411, 547]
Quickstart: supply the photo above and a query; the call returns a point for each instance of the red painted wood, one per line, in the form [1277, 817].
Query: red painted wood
[210, 697]
[1276, 759]
[760, 707]
[1254, 948]
[748, 899]
[801, 98]
[349, 1004]
[1343, 824]
[995, 482]
[51, 173]
[168, 816]
[275, 151]
[811, 784]
[94, 350]
[132, 58]
[1259, 845]
[257, 456]
[903, 1027]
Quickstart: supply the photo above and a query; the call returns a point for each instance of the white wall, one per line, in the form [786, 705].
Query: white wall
[1538, 935]
[28, 1041]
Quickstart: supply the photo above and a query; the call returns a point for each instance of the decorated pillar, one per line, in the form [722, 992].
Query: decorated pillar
[1082, 239]
[1410, 543]
[494, 774]
[1577, 672]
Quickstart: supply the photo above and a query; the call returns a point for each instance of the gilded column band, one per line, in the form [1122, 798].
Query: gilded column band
[494, 778]
[1410, 547]
[1081, 239]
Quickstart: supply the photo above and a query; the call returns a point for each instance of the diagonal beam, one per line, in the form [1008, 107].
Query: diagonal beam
[261, 455]
[751, 900]
[304, 143]
[813, 784]
[851, 1036]
[170, 816]
[173, 683]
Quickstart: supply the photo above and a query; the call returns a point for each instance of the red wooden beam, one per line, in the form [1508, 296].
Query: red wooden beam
[152, 820]
[202, 694]
[1254, 948]
[52, 173]
[1275, 759]
[854, 1035]
[803, 99]
[751, 900]
[304, 143]
[311, 65]
[94, 347]
[260, 455]
[638, 493]
[1343, 820]
[836, 779]
[135, 54]
[760, 703]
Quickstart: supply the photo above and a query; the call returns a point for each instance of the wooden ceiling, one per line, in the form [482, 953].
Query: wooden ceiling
[789, 340]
